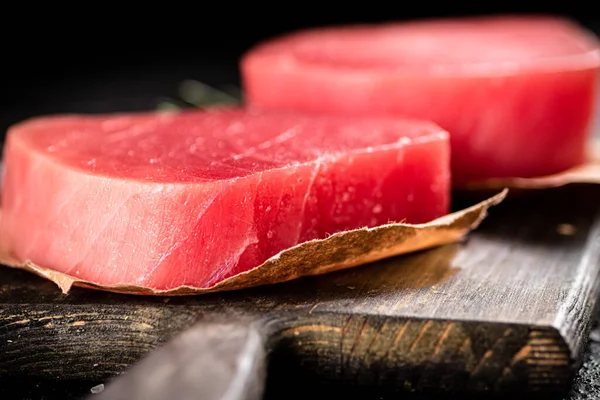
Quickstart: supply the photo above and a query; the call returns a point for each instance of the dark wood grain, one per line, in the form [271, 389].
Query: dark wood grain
[506, 311]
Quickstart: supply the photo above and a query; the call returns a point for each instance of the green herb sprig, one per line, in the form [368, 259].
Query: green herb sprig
[195, 94]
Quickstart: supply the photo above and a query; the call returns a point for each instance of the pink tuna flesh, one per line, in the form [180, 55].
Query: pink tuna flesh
[164, 200]
[516, 94]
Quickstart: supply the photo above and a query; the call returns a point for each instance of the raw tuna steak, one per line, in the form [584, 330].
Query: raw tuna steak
[165, 200]
[515, 93]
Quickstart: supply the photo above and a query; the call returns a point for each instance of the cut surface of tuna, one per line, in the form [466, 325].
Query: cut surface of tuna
[163, 200]
[516, 94]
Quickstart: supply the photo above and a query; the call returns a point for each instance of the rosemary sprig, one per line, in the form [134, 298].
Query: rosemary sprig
[193, 93]
[169, 104]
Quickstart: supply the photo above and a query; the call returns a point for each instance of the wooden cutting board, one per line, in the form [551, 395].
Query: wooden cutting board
[509, 310]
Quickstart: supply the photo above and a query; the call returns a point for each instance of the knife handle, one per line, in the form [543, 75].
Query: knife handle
[210, 361]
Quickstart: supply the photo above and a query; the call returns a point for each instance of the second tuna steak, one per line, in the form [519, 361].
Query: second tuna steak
[516, 94]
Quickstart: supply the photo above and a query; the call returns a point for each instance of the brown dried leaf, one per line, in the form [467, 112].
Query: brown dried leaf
[586, 173]
[339, 251]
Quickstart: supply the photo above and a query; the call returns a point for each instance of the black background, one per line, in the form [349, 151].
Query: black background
[50, 49]
[99, 56]
[81, 40]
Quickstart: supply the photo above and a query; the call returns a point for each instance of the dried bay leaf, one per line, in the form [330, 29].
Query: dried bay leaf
[339, 251]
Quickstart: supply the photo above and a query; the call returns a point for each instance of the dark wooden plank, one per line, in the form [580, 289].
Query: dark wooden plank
[507, 310]
[518, 268]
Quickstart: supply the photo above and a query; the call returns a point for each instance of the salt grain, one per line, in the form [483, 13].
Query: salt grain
[566, 229]
[97, 389]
